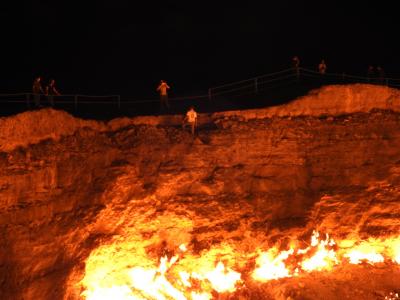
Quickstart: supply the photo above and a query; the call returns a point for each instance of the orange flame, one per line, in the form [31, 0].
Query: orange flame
[271, 265]
[112, 272]
[222, 279]
[323, 258]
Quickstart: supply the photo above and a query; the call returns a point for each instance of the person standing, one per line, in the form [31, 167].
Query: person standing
[163, 90]
[191, 119]
[322, 67]
[296, 65]
[370, 73]
[37, 90]
[381, 74]
[51, 91]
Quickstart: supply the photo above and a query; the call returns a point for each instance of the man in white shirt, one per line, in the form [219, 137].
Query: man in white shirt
[191, 119]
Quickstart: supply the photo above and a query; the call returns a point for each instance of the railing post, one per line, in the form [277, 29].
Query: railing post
[256, 84]
[76, 101]
[209, 94]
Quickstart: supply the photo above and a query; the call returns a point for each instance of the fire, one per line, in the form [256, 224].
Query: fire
[153, 283]
[112, 273]
[222, 279]
[146, 282]
[372, 251]
[323, 258]
[364, 253]
[394, 249]
[271, 265]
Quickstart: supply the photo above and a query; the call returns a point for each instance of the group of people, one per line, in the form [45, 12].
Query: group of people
[49, 91]
[373, 73]
[376, 73]
[191, 115]
[296, 65]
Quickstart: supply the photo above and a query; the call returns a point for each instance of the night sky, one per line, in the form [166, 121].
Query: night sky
[121, 47]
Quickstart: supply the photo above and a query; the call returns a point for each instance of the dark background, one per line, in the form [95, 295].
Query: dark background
[126, 47]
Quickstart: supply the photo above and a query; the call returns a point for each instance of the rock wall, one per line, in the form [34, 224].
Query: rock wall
[65, 189]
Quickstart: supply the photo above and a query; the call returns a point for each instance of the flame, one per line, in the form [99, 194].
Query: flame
[113, 272]
[114, 292]
[146, 282]
[154, 284]
[222, 279]
[364, 253]
[394, 249]
[372, 250]
[203, 296]
[271, 265]
[323, 258]
[392, 296]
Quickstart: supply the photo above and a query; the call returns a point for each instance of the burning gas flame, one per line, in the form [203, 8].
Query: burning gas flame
[271, 265]
[323, 258]
[184, 276]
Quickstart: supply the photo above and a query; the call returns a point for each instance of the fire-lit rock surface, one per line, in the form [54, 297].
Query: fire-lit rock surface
[135, 190]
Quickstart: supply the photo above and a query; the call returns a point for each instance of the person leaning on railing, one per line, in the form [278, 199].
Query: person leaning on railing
[37, 90]
[296, 62]
[381, 74]
[322, 67]
[51, 91]
[370, 73]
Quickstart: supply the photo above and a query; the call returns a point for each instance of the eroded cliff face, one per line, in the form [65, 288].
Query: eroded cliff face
[244, 181]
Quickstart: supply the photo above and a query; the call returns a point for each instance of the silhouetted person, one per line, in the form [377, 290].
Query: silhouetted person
[163, 90]
[381, 74]
[51, 91]
[191, 119]
[296, 64]
[37, 90]
[322, 67]
[370, 73]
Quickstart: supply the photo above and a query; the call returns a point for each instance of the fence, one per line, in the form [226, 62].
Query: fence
[259, 85]
[30, 99]
[254, 85]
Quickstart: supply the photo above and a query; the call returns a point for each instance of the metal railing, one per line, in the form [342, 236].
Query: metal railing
[253, 86]
[31, 99]
[256, 84]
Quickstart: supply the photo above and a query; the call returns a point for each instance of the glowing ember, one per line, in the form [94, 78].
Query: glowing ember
[392, 296]
[183, 248]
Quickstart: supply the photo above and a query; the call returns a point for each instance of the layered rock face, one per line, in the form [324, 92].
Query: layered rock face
[246, 178]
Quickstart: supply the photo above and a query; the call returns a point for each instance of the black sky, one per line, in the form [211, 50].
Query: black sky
[122, 47]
